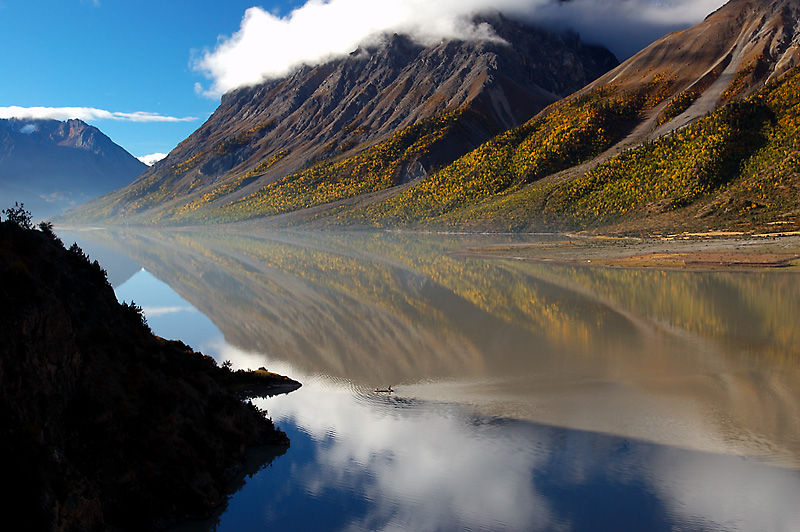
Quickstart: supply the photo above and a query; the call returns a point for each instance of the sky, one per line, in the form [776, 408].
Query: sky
[150, 72]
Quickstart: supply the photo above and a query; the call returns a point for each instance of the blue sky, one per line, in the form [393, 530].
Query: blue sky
[116, 55]
[142, 56]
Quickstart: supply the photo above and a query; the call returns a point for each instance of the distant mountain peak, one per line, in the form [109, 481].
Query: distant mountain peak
[52, 165]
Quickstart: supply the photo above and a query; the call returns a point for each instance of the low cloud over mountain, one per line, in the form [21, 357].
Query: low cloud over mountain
[152, 158]
[269, 46]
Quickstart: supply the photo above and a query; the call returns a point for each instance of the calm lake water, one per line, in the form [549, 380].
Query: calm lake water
[527, 396]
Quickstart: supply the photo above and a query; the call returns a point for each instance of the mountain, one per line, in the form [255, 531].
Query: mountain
[51, 165]
[383, 116]
[730, 55]
[696, 132]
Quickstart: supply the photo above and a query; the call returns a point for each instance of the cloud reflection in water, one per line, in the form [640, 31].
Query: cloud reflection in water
[406, 464]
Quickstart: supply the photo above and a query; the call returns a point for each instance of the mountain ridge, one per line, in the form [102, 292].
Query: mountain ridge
[52, 165]
[755, 50]
[343, 107]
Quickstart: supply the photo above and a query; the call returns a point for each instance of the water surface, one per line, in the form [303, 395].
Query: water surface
[528, 396]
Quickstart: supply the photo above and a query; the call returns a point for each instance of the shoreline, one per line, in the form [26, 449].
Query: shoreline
[713, 250]
[695, 252]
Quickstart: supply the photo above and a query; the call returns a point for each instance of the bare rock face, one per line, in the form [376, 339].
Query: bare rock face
[51, 165]
[349, 104]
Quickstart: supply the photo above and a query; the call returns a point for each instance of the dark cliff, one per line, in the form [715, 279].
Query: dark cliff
[104, 425]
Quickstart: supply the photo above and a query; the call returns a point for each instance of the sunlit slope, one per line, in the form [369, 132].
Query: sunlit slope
[736, 168]
[694, 132]
[402, 157]
[561, 137]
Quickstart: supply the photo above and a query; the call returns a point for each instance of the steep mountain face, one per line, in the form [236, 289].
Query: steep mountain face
[51, 165]
[333, 112]
[698, 131]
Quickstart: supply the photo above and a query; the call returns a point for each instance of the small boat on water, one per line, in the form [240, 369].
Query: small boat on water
[387, 390]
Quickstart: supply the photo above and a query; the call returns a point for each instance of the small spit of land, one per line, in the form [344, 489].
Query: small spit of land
[104, 425]
[710, 251]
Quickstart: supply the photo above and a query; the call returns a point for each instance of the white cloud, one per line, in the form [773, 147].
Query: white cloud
[269, 46]
[152, 159]
[162, 311]
[28, 129]
[85, 113]
[625, 26]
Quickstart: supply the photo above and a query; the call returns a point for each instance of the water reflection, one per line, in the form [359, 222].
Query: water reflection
[364, 461]
[530, 397]
[703, 361]
[118, 264]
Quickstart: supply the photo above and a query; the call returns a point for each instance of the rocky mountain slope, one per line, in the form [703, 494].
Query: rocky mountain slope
[695, 132]
[731, 55]
[52, 166]
[104, 425]
[381, 117]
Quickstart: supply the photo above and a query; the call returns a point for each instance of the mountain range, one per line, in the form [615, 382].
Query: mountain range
[539, 130]
[52, 166]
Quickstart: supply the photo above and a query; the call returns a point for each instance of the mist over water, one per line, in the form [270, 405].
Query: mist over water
[528, 396]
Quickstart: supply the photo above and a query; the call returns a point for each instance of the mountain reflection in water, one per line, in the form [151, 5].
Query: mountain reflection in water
[530, 397]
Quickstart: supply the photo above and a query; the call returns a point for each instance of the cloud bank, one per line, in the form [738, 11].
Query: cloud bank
[84, 113]
[152, 159]
[269, 46]
[624, 26]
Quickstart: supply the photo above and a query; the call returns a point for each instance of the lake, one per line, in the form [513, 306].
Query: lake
[526, 396]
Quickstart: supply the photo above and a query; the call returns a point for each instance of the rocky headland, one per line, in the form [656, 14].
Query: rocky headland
[104, 425]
